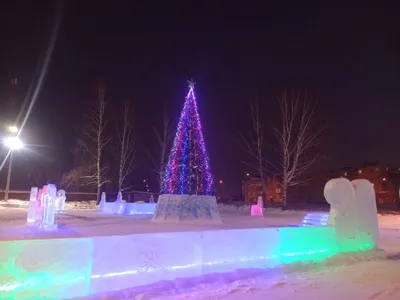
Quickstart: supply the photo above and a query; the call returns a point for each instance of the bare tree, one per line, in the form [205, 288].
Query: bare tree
[254, 144]
[72, 177]
[96, 142]
[127, 151]
[164, 139]
[298, 135]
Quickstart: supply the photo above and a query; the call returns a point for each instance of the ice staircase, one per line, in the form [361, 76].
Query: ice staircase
[315, 219]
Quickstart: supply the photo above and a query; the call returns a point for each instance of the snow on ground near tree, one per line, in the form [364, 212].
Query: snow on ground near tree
[372, 276]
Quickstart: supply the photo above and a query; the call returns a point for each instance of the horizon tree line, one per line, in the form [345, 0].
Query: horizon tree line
[296, 139]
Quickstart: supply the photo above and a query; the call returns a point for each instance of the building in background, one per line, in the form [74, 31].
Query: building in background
[385, 178]
[253, 187]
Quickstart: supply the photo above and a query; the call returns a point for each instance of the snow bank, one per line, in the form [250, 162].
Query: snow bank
[14, 203]
[91, 204]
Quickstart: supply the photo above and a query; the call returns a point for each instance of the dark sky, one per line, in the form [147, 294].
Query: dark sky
[347, 57]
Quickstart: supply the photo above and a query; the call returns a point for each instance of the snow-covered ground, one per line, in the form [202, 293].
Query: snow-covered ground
[373, 275]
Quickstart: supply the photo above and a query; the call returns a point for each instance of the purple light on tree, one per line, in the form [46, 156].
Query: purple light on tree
[188, 170]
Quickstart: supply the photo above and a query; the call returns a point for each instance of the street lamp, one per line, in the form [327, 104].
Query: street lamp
[12, 143]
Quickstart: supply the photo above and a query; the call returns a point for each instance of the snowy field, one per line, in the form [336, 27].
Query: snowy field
[365, 276]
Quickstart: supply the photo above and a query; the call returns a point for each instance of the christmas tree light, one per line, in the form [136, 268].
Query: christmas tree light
[188, 170]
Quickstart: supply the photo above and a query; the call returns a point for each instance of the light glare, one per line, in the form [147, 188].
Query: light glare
[13, 129]
[13, 143]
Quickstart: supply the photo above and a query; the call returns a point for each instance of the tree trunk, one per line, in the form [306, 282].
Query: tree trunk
[98, 194]
[284, 195]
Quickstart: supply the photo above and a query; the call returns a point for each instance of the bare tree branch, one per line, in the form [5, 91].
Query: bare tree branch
[164, 138]
[126, 143]
[298, 135]
[253, 143]
[96, 141]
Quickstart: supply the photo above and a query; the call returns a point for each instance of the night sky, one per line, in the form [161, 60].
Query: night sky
[347, 58]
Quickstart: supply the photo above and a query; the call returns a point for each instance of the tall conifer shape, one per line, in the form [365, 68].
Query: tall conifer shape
[188, 170]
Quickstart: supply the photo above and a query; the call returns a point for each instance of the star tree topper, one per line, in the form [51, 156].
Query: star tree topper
[191, 83]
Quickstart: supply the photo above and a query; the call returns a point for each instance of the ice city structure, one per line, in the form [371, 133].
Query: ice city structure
[121, 207]
[63, 267]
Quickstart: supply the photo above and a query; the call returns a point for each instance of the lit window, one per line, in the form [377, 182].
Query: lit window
[345, 173]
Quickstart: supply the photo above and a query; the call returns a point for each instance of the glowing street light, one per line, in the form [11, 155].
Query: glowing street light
[13, 143]
[13, 129]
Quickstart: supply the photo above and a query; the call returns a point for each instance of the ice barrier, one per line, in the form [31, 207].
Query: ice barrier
[78, 267]
[120, 207]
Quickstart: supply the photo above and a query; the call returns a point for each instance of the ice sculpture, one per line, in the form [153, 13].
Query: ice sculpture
[60, 202]
[368, 226]
[257, 209]
[102, 201]
[151, 200]
[353, 213]
[39, 204]
[119, 204]
[32, 206]
[182, 208]
[49, 208]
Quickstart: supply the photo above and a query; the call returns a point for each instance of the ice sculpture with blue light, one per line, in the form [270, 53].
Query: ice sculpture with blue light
[60, 202]
[139, 208]
[120, 207]
[49, 208]
[32, 206]
[42, 207]
[119, 204]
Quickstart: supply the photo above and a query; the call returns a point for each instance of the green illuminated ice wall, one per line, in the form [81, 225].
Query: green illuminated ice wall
[67, 268]
[45, 269]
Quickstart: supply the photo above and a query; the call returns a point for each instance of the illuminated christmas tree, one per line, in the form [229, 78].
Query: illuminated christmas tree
[188, 170]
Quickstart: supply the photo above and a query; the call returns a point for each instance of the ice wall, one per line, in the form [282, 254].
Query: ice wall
[78, 267]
